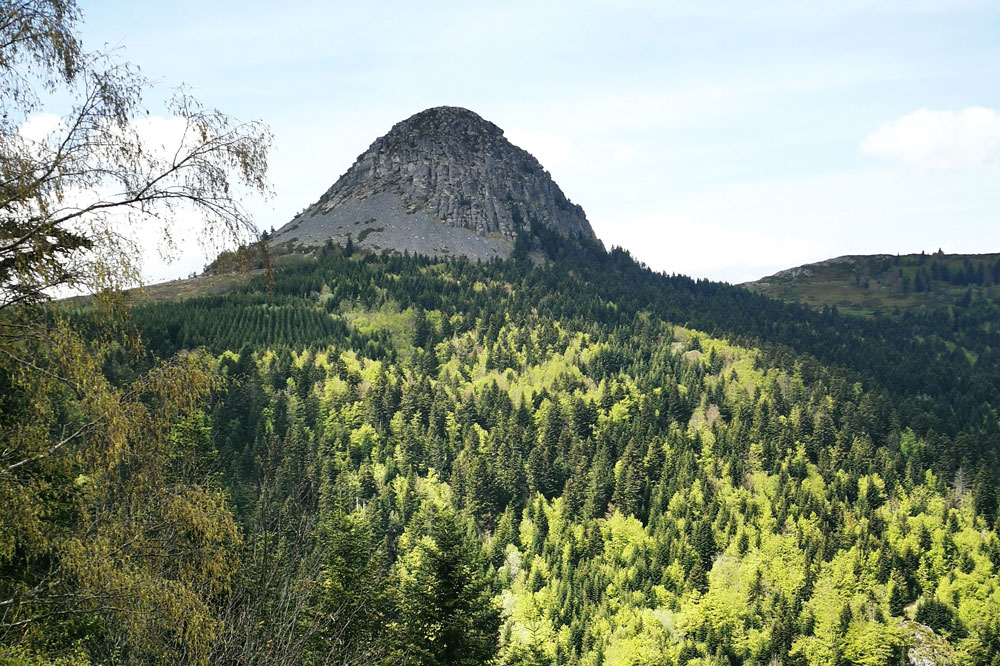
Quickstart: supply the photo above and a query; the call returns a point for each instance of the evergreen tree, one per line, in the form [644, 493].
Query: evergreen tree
[446, 611]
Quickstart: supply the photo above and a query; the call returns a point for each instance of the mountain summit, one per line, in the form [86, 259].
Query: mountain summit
[443, 182]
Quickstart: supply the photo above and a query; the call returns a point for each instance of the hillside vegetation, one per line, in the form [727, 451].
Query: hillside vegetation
[577, 463]
[887, 284]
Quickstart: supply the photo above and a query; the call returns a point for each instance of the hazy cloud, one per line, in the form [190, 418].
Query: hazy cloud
[680, 244]
[624, 154]
[40, 127]
[552, 150]
[939, 140]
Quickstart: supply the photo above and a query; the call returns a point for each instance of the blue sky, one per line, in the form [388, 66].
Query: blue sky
[725, 140]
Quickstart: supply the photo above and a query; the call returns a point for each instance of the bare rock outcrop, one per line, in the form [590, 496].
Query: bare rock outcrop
[927, 648]
[442, 182]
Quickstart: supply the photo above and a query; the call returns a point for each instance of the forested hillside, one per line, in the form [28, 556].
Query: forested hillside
[888, 284]
[577, 463]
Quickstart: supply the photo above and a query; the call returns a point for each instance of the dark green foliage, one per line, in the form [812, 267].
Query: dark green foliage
[427, 440]
[940, 617]
[447, 614]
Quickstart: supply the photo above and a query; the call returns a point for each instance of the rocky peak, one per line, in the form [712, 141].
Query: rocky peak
[449, 126]
[445, 166]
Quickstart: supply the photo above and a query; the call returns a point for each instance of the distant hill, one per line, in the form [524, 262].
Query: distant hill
[883, 283]
[444, 182]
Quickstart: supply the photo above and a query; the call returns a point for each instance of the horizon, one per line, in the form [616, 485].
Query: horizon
[715, 141]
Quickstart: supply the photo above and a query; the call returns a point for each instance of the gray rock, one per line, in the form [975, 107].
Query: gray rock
[927, 648]
[443, 182]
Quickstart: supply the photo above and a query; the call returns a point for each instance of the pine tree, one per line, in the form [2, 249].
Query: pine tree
[897, 594]
[446, 613]
[627, 497]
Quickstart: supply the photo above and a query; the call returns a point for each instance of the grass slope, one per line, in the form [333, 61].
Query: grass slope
[882, 283]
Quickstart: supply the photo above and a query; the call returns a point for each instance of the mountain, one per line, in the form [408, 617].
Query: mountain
[885, 283]
[444, 182]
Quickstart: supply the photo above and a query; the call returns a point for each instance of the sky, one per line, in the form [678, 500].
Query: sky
[722, 140]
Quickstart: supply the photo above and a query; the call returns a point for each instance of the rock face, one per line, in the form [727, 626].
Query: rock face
[926, 647]
[443, 182]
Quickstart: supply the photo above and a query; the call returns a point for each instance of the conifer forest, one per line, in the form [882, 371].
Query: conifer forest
[389, 459]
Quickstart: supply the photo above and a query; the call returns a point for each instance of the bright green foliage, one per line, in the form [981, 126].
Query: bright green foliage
[620, 489]
[515, 464]
[447, 610]
[19, 656]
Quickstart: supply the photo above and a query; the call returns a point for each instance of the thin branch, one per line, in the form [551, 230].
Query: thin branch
[52, 449]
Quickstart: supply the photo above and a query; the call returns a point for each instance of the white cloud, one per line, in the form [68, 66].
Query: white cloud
[680, 244]
[552, 150]
[160, 136]
[41, 126]
[163, 136]
[939, 140]
[624, 154]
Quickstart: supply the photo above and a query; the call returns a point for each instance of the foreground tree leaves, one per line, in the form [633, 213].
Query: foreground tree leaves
[116, 540]
[73, 190]
[114, 532]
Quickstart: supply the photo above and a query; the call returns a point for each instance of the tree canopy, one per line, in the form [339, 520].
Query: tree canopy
[116, 539]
